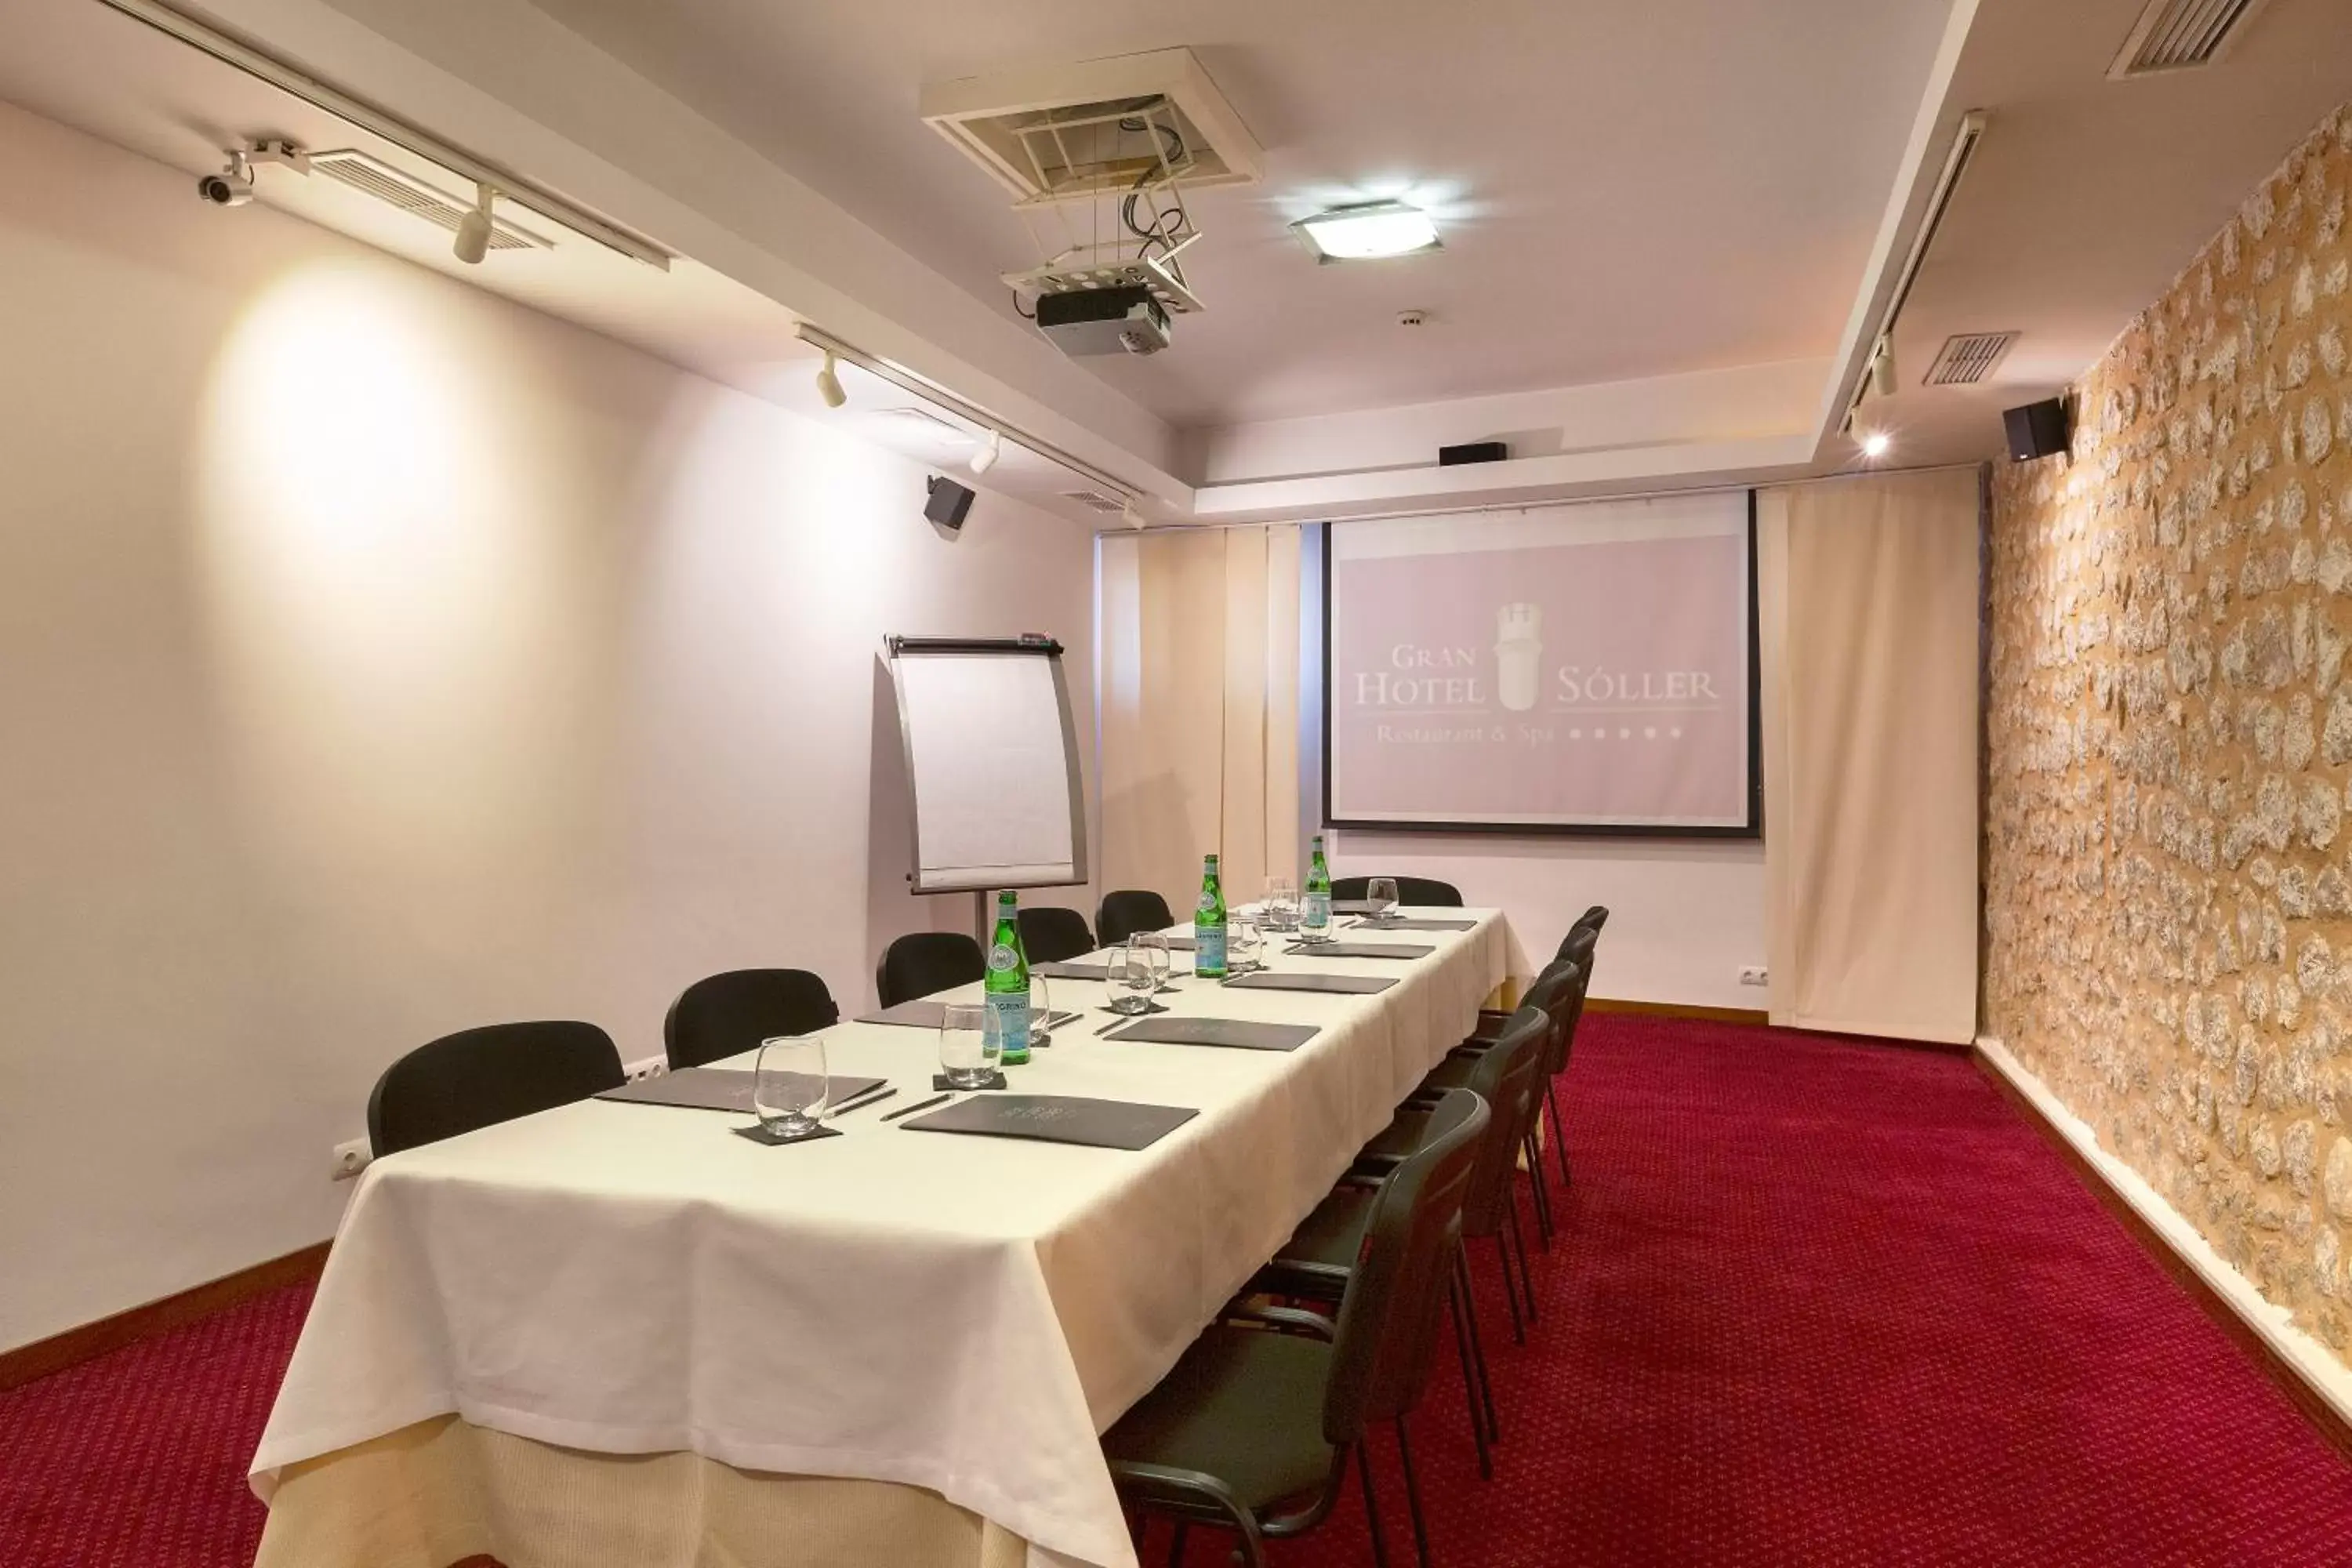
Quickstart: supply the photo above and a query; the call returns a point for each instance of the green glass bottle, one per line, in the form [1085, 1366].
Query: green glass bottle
[1208, 924]
[1007, 985]
[1314, 907]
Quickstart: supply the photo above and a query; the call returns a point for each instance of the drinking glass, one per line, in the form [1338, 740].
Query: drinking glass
[1040, 1012]
[1244, 942]
[1381, 892]
[1281, 904]
[789, 1084]
[1129, 978]
[967, 1049]
[1154, 949]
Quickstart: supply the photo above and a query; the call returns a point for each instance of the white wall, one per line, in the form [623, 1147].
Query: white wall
[1684, 916]
[384, 659]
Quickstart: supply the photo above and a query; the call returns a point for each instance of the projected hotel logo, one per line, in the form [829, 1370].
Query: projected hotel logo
[1519, 656]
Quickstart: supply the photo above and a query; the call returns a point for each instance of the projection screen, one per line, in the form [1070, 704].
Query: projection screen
[1579, 669]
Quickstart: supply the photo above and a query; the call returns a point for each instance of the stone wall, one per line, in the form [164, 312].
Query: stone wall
[2169, 862]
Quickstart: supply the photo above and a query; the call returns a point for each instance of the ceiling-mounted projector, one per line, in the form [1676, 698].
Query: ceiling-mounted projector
[1104, 320]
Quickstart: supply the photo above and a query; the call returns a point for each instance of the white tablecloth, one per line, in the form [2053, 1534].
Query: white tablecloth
[962, 1314]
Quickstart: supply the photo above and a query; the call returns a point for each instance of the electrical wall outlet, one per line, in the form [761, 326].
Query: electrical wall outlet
[351, 1158]
[1753, 974]
[645, 1068]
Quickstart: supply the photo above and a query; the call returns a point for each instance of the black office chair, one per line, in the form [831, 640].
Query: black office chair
[1252, 1430]
[1559, 991]
[726, 1015]
[1591, 919]
[1129, 911]
[1414, 892]
[923, 961]
[1319, 1261]
[1049, 935]
[479, 1078]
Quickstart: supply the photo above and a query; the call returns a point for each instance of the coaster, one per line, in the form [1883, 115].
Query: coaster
[994, 1080]
[1149, 1009]
[760, 1134]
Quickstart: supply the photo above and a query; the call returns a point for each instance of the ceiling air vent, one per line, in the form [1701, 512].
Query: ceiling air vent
[410, 195]
[1064, 133]
[1967, 358]
[2180, 34]
[1095, 500]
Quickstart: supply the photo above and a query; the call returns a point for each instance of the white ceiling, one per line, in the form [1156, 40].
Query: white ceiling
[1667, 224]
[1628, 191]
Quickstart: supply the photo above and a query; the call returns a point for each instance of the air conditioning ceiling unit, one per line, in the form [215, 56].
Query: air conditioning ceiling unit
[1073, 133]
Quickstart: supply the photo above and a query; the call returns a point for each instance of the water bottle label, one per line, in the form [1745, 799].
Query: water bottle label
[1001, 958]
[1317, 913]
[1209, 948]
[1008, 1024]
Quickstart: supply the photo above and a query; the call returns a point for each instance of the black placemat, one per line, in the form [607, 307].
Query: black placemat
[759, 1134]
[1058, 1118]
[1402, 950]
[720, 1088]
[1331, 984]
[1237, 1034]
[927, 1012]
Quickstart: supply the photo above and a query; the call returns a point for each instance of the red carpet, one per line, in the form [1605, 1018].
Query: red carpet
[1814, 1303]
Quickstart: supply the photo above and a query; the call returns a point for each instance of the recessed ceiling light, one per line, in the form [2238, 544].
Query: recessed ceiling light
[1369, 230]
[1876, 444]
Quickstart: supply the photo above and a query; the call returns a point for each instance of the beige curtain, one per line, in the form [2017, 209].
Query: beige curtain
[1867, 597]
[1199, 691]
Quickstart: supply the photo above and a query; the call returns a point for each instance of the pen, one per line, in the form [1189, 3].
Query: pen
[871, 1097]
[918, 1105]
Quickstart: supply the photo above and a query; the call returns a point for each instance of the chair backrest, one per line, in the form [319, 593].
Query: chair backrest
[1414, 892]
[1591, 919]
[923, 961]
[1577, 949]
[1582, 936]
[1510, 1078]
[1388, 1319]
[724, 1015]
[479, 1078]
[1129, 911]
[1049, 935]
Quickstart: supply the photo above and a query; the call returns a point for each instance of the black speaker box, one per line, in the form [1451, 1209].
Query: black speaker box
[948, 502]
[2036, 429]
[1472, 452]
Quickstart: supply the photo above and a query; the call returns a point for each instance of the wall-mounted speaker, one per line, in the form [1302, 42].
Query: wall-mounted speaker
[2036, 429]
[947, 504]
[1472, 452]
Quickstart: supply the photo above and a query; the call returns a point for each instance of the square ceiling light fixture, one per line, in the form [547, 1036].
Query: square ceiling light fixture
[1369, 231]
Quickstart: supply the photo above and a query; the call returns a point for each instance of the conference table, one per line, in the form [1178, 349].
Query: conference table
[617, 1333]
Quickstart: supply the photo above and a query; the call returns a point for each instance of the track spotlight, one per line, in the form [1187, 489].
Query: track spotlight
[1876, 444]
[828, 382]
[474, 229]
[985, 459]
[1882, 370]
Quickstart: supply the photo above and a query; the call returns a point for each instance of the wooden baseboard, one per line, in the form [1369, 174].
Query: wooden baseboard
[2316, 1408]
[58, 1352]
[1678, 1010]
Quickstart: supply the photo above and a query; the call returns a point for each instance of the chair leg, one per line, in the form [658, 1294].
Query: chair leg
[1469, 1303]
[1413, 1497]
[1558, 1127]
[1176, 1546]
[1519, 1246]
[1371, 1505]
[1541, 1192]
[1510, 1287]
[1470, 1381]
